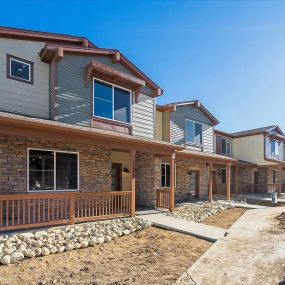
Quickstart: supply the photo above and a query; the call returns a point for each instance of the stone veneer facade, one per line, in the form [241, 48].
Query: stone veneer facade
[94, 165]
[183, 178]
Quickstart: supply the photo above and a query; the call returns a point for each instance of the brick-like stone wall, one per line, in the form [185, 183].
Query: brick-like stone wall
[95, 163]
[146, 179]
[183, 179]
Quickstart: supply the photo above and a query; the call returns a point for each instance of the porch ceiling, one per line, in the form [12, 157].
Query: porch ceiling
[13, 124]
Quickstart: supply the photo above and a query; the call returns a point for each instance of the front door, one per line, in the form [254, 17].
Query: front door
[116, 177]
[214, 185]
[194, 184]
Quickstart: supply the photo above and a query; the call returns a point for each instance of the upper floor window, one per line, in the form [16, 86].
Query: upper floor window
[111, 102]
[193, 132]
[274, 148]
[226, 146]
[19, 69]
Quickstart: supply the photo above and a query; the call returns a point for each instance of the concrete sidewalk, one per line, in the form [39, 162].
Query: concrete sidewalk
[247, 206]
[202, 231]
[253, 253]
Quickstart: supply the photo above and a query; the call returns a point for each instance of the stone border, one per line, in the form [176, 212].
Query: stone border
[17, 247]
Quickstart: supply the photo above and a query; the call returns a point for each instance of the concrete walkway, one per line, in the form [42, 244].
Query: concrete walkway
[247, 206]
[206, 232]
[253, 253]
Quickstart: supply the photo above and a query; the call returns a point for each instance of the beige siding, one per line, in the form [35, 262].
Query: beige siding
[166, 126]
[19, 97]
[143, 117]
[250, 148]
[158, 127]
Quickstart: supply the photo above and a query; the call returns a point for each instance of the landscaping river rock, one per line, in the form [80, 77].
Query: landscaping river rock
[17, 247]
[199, 211]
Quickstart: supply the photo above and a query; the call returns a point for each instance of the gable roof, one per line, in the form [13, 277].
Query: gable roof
[258, 131]
[13, 33]
[52, 50]
[197, 103]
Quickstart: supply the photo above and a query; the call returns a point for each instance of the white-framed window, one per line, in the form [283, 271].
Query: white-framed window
[19, 69]
[165, 175]
[274, 148]
[226, 146]
[193, 132]
[111, 102]
[50, 170]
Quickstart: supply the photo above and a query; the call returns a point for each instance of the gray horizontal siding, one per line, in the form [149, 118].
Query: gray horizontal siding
[73, 102]
[19, 97]
[143, 117]
[177, 125]
[74, 99]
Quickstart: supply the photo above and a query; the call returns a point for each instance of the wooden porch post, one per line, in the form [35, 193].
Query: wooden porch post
[279, 180]
[172, 183]
[236, 179]
[210, 185]
[133, 182]
[228, 182]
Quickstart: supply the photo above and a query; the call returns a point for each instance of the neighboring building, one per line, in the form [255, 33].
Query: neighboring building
[260, 154]
[77, 129]
[191, 125]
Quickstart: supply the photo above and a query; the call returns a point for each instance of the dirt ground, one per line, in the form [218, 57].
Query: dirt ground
[151, 256]
[226, 218]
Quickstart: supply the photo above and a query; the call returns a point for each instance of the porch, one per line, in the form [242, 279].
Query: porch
[56, 174]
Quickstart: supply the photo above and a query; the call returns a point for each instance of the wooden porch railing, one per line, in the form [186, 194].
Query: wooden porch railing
[163, 198]
[47, 209]
[245, 188]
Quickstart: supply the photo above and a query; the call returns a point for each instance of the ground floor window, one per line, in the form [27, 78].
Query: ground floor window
[165, 175]
[52, 170]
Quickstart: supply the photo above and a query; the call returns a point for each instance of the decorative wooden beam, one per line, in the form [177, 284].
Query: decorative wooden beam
[157, 92]
[236, 179]
[133, 182]
[210, 186]
[116, 57]
[85, 43]
[172, 183]
[228, 182]
[279, 180]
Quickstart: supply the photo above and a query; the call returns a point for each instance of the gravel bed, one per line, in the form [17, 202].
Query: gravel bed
[17, 247]
[199, 211]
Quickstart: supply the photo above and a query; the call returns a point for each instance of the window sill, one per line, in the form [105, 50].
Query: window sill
[50, 191]
[193, 144]
[110, 125]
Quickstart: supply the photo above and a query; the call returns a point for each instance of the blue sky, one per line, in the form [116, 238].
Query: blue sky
[228, 54]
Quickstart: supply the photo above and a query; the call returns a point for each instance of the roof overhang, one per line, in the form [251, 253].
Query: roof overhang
[53, 51]
[196, 103]
[205, 157]
[12, 124]
[103, 71]
[43, 36]
[242, 163]
[223, 134]
[274, 161]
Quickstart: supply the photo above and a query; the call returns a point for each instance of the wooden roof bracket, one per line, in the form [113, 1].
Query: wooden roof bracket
[116, 57]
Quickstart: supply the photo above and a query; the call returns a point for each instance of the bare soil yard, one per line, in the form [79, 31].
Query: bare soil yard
[226, 218]
[151, 256]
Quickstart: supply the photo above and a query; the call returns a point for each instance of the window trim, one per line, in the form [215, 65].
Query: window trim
[54, 178]
[276, 147]
[202, 136]
[227, 139]
[113, 88]
[21, 60]
[166, 187]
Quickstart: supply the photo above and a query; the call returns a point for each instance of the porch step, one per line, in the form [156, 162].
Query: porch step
[198, 230]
